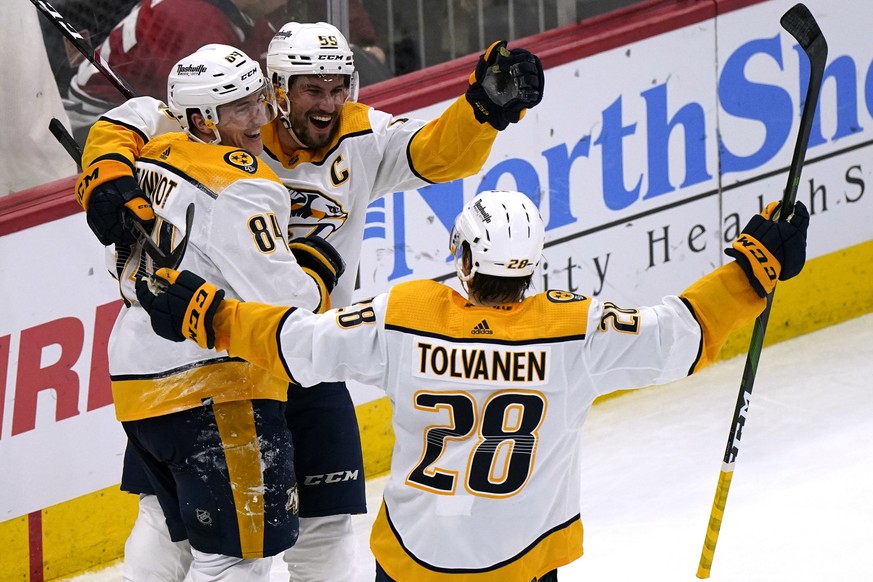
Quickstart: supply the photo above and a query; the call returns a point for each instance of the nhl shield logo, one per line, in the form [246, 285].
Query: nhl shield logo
[203, 516]
[243, 160]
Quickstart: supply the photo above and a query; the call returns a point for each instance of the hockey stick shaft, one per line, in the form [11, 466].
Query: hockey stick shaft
[78, 41]
[800, 23]
[66, 140]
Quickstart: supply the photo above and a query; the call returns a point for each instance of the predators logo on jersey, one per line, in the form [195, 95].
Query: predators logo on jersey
[243, 160]
[312, 212]
[563, 296]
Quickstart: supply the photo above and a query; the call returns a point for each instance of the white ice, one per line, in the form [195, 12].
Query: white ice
[800, 507]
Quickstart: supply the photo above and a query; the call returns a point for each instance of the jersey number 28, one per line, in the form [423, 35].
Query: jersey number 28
[500, 463]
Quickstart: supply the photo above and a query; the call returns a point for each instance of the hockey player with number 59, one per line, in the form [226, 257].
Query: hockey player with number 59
[485, 474]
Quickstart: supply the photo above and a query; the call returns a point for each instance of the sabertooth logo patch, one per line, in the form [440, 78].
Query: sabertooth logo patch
[314, 213]
[243, 160]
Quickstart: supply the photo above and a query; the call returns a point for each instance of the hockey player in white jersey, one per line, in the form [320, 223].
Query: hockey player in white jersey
[489, 391]
[210, 429]
[334, 156]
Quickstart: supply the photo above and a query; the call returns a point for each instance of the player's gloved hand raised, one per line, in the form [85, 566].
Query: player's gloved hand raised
[319, 259]
[181, 305]
[769, 251]
[504, 84]
[113, 200]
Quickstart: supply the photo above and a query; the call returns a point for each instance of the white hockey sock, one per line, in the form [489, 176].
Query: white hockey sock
[149, 553]
[220, 568]
[324, 552]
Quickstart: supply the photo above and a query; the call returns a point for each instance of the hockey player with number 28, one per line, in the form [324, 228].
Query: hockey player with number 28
[335, 156]
[485, 474]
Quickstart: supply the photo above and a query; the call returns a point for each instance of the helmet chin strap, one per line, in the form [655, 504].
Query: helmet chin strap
[285, 117]
[215, 132]
[287, 123]
[465, 278]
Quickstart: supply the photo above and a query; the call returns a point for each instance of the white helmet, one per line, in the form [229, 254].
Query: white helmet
[505, 233]
[310, 49]
[215, 75]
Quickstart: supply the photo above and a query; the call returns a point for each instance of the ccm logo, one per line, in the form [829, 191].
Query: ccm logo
[337, 477]
[194, 316]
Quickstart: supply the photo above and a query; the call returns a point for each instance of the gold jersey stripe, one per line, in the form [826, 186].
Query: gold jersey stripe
[222, 381]
[236, 427]
[556, 548]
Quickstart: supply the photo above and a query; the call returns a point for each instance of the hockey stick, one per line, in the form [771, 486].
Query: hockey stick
[157, 254]
[66, 140]
[83, 46]
[799, 22]
[160, 258]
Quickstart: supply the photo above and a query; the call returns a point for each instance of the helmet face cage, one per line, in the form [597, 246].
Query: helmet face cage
[215, 75]
[310, 49]
[504, 231]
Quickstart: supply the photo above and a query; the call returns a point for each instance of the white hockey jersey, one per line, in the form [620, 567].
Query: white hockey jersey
[329, 189]
[238, 239]
[488, 405]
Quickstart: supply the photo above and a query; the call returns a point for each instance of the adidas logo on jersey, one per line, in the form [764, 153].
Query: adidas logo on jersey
[165, 154]
[482, 328]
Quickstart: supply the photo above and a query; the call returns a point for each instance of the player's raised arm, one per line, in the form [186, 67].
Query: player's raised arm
[651, 345]
[505, 83]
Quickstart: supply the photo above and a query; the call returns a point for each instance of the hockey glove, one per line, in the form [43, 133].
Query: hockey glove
[181, 305]
[768, 250]
[504, 84]
[112, 201]
[318, 259]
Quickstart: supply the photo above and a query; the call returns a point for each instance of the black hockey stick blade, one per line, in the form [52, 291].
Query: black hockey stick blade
[83, 46]
[175, 257]
[800, 23]
[158, 256]
[66, 140]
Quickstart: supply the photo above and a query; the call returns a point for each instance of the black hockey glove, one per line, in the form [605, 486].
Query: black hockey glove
[113, 206]
[318, 259]
[181, 305]
[768, 250]
[504, 84]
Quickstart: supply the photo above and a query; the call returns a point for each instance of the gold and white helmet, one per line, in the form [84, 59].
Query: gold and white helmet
[505, 233]
[215, 75]
[310, 49]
